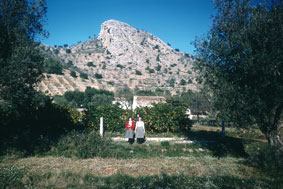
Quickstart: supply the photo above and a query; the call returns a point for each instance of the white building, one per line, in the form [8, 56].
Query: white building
[147, 101]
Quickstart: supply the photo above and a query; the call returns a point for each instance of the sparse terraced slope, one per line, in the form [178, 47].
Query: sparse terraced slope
[123, 56]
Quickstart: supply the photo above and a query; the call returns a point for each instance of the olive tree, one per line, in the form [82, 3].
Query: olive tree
[20, 60]
[241, 61]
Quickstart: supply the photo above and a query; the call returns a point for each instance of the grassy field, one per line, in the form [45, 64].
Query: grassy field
[219, 164]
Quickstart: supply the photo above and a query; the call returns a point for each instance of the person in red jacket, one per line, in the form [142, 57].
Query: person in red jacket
[130, 126]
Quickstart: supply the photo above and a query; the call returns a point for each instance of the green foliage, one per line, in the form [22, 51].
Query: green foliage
[98, 76]
[52, 66]
[164, 117]
[20, 59]
[158, 58]
[172, 82]
[114, 118]
[145, 93]
[68, 51]
[138, 72]
[104, 66]
[34, 129]
[73, 74]
[56, 51]
[151, 70]
[197, 101]
[75, 98]
[70, 63]
[81, 144]
[90, 97]
[120, 66]
[240, 60]
[183, 82]
[100, 100]
[159, 92]
[268, 160]
[165, 143]
[126, 94]
[83, 75]
[158, 68]
[90, 64]
[111, 83]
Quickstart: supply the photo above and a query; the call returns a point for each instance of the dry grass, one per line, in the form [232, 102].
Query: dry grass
[191, 166]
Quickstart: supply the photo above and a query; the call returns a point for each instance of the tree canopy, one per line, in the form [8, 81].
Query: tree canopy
[21, 24]
[241, 62]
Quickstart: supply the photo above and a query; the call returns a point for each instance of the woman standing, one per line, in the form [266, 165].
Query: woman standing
[140, 131]
[130, 125]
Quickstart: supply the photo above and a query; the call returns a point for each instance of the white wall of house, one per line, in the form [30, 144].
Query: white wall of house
[122, 104]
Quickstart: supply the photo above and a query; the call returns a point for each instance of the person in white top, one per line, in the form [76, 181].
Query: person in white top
[140, 131]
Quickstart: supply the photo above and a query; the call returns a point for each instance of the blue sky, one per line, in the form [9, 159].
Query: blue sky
[177, 22]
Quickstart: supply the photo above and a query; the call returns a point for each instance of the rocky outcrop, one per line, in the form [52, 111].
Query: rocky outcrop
[125, 56]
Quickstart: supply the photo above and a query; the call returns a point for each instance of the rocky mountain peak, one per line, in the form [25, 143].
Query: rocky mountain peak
[125, 56]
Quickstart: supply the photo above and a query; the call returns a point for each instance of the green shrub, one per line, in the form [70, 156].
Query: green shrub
[158, 58]
[81, 144]
[158, 68]
[138, 72]
[165, 117]
[114, 118]
[151, 70]
[145, 93]
[83, 75]
[111, 83]
[52, 66]
[73, 74]
[68, 51]
[268, 160]
[98, 76]
[165, 143]
[183, 82]
[120, 66]
[90, 64]
[90, 97]
[172, 82]
[36, 129]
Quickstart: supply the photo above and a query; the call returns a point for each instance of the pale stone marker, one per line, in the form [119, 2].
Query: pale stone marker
[101, 127]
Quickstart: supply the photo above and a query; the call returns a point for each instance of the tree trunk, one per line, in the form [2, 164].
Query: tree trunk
[273, 130]
[274, 138]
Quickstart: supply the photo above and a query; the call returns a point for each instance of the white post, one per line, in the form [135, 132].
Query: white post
[101, 126]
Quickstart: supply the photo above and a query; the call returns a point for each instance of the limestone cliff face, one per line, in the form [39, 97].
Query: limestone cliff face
[125, 56]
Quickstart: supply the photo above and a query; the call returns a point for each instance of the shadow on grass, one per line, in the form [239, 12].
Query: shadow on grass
[220, 146]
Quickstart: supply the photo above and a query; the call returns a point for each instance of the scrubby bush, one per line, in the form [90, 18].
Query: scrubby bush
[158, 68]
[81, 144]
[164, 117]
[120, 66]
[52, 66]
[183, 82]
[138, 72]
[38, 127]
[83, 75]
[98, 76]
[90, 64]
[268, 160]
[73, 74]
[151, 71]
[90, 97]
[114, 118]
